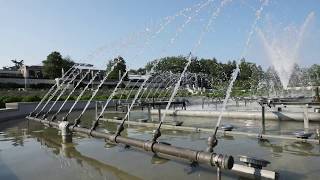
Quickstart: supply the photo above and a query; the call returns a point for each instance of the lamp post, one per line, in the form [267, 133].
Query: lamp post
[25, 74]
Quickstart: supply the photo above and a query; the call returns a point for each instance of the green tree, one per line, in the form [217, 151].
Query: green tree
[53, 65]
[120, 67]
[314, 72]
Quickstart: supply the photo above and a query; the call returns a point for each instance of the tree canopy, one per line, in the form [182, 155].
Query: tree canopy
[53, 65]
[120, 67]
[217, 72]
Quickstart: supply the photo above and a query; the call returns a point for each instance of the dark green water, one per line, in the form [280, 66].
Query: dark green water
[32, 151]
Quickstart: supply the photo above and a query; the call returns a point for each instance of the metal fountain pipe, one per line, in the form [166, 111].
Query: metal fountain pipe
[211, 159]
[61, 93]
[65, 101]
[54, 93]
[95, 123]
[80, 95]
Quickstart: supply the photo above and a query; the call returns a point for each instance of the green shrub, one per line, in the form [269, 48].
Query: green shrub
[10, 99]
[85, 97]
[31, 99]
[2, 104]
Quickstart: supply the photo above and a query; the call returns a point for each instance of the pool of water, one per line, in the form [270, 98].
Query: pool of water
[29, 150]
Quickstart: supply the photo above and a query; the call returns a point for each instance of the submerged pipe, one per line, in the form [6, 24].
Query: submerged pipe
[256, 115]
[196, 129]
[211, 159]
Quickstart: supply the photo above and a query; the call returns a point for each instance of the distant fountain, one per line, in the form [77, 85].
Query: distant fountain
[283, 48]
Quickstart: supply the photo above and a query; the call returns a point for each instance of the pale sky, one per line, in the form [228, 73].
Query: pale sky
[94, 31]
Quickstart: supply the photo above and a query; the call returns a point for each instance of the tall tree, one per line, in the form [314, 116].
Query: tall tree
[120, 67]
[53, 65]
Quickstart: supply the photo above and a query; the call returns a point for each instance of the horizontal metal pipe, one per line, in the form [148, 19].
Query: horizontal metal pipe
[195, 129]
[212, 159]
[254, 115]
[296, 103]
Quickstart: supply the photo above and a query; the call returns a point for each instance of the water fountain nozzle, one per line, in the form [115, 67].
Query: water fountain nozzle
[156, 134]
[54, 117]
[120, 128]
[212, 142]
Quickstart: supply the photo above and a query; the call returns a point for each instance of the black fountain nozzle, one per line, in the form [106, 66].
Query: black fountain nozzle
[54, 117]
[65, 118]
[37, 115]
[95, 124]
[44, 116]
[212, 142]
[76, 122]
[270, 102]
[120, 128]
[31, 114]
[156, 135]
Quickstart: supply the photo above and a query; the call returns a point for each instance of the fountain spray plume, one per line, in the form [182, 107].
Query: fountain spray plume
[212, 140]
[162, 26]
[55, 92]
[127, 85]
[80, 95]
[137, 36]
[73, 90]
[121, 126]
[283, 50]
[169, 86]
[154, 80]
[61, 93]
[171, 76]
[50, 90]
[131, 90]
[78, 119]
[96, 122]
[169, 19]
[214, 15]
